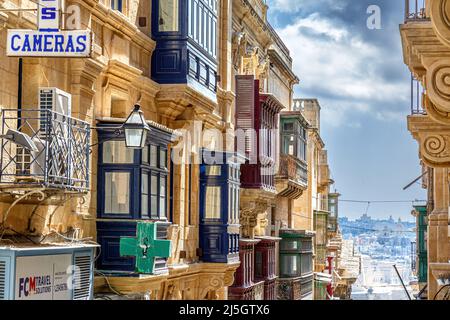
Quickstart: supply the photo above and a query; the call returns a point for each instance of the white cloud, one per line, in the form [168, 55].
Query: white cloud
[335, 65]
[296, 5]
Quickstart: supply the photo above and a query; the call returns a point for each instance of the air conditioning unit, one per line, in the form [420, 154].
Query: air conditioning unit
[47, 273]
[56, 100]
[33, 163]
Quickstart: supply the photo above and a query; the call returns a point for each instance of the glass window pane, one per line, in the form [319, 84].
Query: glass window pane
[144, 185]
[116, 5]
[163, 158]
[213, 170]
[154, 196]
[162, 197]
[117, 192]
[168, 15]
[212, 206]
[153, 155]
[154, 185]
[288, 126]
[145, 155]
[117, 152]
[144, 194]
[230, 203]
[289, 245]
[289, 265]
[236, 212]
[154, 206]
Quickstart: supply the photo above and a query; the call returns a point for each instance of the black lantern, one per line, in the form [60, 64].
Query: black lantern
[136, 129]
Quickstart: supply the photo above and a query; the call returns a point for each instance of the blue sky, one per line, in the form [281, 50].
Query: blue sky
[363, 87]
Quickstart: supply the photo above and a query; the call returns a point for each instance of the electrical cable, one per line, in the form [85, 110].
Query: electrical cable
[109, 285]
[439, 291]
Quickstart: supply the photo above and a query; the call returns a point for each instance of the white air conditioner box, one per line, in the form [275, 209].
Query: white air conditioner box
[56, 100]
[47, 272]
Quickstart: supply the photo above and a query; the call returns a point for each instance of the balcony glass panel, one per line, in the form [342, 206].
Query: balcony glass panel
[117, 152]
[117, 192]
[168, 15]
[212, 209]
[290, 266]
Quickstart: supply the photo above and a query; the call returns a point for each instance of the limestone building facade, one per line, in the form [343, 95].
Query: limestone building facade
[425, 41]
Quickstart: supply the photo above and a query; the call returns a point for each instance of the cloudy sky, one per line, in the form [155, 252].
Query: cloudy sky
[363, 87]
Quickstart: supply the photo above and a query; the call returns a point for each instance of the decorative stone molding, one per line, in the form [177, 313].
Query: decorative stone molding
[441, 272]
[215, 282]
[433, 139]
[173, 99]
[253, 211]
[440, 17]
[251, 216]
[438, 89]
[434, 113]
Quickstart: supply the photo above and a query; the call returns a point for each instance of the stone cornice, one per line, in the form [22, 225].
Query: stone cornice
[117, 22]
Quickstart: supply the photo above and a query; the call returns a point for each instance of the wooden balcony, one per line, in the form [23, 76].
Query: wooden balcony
[292, 177]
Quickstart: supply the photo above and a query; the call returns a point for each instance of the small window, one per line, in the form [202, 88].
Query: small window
[168, 15]
[212, 205]
[117, 192]
[117, 152]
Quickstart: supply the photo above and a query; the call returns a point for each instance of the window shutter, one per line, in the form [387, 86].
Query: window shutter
[245, 106]
[245, 102]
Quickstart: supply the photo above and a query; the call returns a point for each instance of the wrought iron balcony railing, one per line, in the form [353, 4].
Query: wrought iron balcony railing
[60, 159]
[417, 93]
[415, 10]
[293, 169]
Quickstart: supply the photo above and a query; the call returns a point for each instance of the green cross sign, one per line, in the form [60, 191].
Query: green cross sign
[145, 247]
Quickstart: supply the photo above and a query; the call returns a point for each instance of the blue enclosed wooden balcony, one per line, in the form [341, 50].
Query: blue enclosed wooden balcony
[186, 47]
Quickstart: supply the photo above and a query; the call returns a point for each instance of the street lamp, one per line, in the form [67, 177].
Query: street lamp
[136, 129]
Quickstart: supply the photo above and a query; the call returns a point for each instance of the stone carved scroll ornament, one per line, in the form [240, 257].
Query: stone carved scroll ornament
[437, 97]
[435, 150]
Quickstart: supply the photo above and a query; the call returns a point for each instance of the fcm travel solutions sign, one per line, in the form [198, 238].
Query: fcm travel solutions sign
[48, 40]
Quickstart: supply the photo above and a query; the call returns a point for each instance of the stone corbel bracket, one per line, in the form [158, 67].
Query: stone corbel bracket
[440, 17]
[433, 139]
[253, 211]
[437, 84]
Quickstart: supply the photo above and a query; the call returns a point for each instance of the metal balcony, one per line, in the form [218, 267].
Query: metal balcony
[60, 159]
[415, 10]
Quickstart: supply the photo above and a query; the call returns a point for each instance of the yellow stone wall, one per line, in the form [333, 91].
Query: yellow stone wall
[107, 85]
